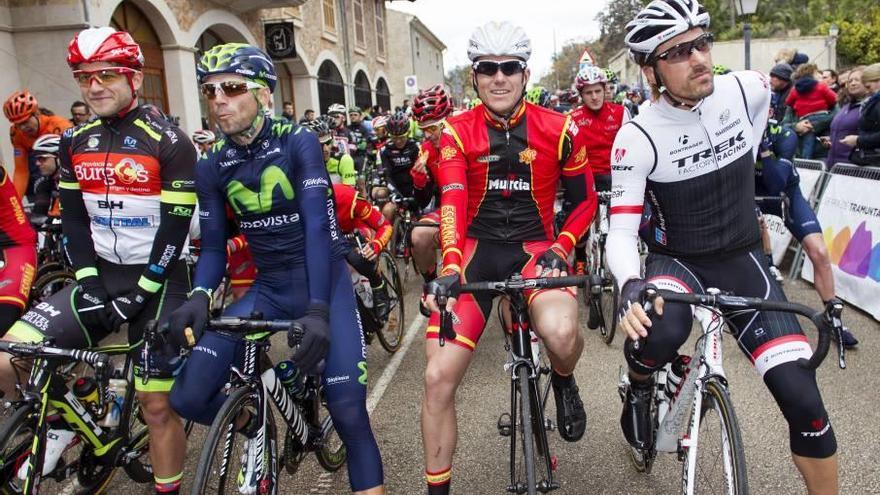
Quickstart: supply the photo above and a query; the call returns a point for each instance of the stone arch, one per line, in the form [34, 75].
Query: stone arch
[161, 17]
[363, 92]
[331, 85]
[228, 26]
[383, 93]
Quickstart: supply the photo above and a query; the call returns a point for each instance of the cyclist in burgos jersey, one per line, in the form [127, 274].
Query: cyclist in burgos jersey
[272, 174]
[127, 190]
[691, 155]
[500, 166]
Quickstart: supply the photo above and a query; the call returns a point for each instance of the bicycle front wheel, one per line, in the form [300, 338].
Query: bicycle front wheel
[391, 333]
[720, 459]
[528, 463]
[223, 463]
[16, 438]
[608, 301]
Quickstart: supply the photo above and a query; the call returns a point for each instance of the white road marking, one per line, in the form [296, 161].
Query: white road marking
[390, 370]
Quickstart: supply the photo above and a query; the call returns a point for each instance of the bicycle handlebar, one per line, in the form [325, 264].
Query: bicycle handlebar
[514, 284]
[728, 302]
[98, 360]
[250, 326]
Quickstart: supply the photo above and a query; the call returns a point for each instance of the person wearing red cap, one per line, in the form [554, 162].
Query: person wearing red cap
[23, 112]
[127, 183]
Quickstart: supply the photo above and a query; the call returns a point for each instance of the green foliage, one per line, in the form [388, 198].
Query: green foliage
[859, 22]
[564, 66]
[458, 82]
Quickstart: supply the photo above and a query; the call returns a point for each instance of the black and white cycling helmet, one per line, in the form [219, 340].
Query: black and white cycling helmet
[203, 136]
[47, 144]
[499, 39]
[660, 21]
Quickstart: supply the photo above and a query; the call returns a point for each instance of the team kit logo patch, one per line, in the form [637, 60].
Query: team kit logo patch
[448, 152]
[527, 156]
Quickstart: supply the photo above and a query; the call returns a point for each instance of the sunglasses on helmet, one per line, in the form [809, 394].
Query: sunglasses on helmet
[491, 67]
[682, 51]
[228, 88]
[104, 76]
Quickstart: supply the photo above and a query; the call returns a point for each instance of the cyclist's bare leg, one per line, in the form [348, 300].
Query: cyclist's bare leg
[424, 242]
[376, 490]
[388, 210]
[8, 377]
[820, 475]
[765, 236]
[167, 436]
[816, 250]
[554, 316]
[444, 371]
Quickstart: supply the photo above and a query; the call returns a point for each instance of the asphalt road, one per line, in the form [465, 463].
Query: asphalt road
[599, 463]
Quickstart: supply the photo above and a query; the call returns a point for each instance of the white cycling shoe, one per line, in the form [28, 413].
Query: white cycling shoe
[56, 442]
[247, 477]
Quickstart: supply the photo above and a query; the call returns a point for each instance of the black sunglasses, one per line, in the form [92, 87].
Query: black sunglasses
[490, 67]
[682, 51]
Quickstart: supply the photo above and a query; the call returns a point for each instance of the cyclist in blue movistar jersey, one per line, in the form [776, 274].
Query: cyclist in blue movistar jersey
[271, 173]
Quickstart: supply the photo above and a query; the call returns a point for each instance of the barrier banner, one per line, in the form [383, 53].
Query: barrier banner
[780, 237]
[849, 212]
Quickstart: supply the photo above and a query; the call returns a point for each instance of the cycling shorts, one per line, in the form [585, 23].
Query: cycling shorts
[602, 182]
[801, 220]
[768, 338]
[484, 261]
[17, 269]
[280, 294]
[56, 318]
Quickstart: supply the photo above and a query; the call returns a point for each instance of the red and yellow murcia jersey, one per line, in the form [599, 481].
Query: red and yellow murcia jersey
[498, 182]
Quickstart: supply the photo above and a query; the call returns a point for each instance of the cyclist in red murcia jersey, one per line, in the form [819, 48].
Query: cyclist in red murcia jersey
[18, 256]
[600, 120]
[500, 166]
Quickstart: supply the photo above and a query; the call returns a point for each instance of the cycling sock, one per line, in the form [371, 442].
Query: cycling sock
[439, 481]
[168, 486]
[558, 378]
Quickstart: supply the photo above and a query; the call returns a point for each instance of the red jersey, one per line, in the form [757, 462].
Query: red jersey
[600, 129]
[15, 230]
[353, 212]
[498, 182]
[22, 144]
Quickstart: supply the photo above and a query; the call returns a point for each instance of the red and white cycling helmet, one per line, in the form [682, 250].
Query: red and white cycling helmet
[589, 74]
[431, 105]
[104, 44]
[380, 122]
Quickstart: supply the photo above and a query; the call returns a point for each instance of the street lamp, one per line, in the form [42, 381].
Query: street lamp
[746, 8]
[831, 44]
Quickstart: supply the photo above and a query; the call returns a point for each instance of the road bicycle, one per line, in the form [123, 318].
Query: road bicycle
[603, 295]
[692, 412]
[532, 467]
[53, 273]
[100, 447]
[250, 391]
[388, 327]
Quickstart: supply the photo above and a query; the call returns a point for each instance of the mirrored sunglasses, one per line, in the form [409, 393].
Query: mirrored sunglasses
[491, 67]
[228, 88]
[104, 76]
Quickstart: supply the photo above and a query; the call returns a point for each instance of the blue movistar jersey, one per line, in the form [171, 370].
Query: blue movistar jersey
[279, 192]
[777, 174]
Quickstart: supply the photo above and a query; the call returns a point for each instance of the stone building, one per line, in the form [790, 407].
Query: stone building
[415, 51]
[341, 49]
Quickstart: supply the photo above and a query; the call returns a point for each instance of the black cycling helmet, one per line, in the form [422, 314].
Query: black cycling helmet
[398, 124]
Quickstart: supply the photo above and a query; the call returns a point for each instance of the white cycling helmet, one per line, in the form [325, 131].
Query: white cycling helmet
[589, 74]
[336, 108]
[203, 136]
[499, 39]
[660, 21]
[47, 144]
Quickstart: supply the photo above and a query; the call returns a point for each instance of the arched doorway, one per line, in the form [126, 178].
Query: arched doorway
[383, 95]
[208, 39]
[363, 95]
[127, 17]
[331, 88]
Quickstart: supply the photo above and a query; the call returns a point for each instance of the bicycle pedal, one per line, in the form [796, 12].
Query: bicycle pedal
[504, 426]
[549, 425]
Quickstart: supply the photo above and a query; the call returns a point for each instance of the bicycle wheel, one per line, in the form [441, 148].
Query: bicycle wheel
[50, 283]
[332, 453]
[397, 245]
[16, 437]
[391, 334]
[608, 301]
[527, 432]
[225, 451]
[720, 458]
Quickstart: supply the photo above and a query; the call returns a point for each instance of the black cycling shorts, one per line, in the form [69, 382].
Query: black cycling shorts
[56, 318]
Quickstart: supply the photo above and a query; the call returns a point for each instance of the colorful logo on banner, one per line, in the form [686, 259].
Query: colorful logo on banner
[854, 253]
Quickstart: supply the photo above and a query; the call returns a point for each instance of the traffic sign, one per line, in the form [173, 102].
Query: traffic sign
[410, 85]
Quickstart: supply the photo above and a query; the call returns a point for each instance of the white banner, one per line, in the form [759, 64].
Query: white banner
[849, 213]
[780, 237]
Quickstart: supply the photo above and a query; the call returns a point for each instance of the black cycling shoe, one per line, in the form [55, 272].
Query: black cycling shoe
[381, 302]
[635, 420]
[570, 415]
[849, 340]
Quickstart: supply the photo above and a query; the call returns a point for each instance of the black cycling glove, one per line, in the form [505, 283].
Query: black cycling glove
[551, 260]
[89, 301]
[315, 340]
[193, 315]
